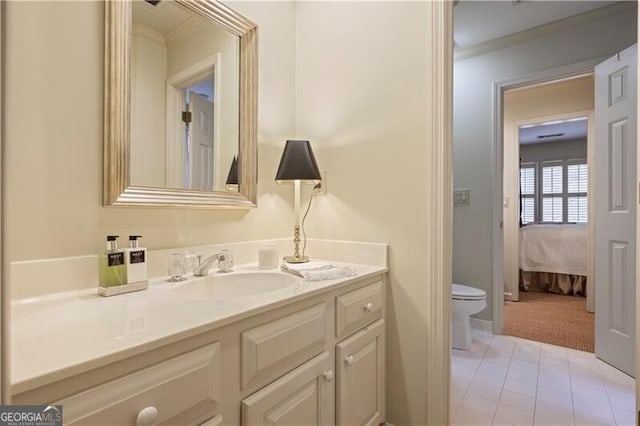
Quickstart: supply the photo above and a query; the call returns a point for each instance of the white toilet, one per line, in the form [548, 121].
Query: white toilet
[465, 302]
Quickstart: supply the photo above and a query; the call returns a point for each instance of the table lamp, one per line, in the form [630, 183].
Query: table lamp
[297, 165]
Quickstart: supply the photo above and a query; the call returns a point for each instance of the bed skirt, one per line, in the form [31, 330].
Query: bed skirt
[553, 283]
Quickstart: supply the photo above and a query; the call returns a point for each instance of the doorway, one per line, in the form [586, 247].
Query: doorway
[545, 212]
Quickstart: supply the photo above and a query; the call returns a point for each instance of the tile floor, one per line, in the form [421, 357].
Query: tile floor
[506, 380]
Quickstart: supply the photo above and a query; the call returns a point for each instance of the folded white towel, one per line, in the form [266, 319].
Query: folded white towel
[317, 271]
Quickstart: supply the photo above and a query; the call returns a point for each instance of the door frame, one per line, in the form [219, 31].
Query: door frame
[5, 385]
[497, 150]
[513, 218]
[439, 210]
[176, 84]
[637, 185]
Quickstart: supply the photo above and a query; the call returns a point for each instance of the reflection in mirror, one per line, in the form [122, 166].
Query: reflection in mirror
[185, 80]
[180, 105]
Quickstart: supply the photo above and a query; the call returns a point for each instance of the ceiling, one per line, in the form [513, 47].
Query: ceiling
[163, 17]
[575, 128]
[479, 21]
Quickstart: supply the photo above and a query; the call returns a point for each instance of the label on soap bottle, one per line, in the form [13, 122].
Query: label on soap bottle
[115, 259]
[136, 256]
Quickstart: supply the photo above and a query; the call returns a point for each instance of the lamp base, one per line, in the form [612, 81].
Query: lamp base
[296, 259]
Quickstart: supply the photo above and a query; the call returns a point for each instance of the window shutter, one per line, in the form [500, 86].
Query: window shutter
[528, 210]
[551, 185]
[577, 178]
[552, 209]
[577, 183]
[528, 181]
[552, 180]
[577, 209]
[527, 194]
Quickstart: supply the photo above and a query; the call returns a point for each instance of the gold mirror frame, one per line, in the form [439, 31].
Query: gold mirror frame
[117, 189]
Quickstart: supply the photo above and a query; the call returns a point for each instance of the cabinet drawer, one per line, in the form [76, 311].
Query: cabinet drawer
[272, 349]
[183, 390]
[358, 308]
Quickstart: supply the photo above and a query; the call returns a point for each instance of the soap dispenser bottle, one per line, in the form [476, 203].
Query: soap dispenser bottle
[112, 270]
[136, 261]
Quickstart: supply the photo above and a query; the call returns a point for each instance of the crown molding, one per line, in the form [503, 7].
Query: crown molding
[542, 30]
[148, 33]
[185, 29]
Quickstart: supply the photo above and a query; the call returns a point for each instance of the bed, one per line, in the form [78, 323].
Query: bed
[554, 258]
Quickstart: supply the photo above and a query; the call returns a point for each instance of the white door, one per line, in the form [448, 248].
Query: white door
[614, 173]
[201, 161]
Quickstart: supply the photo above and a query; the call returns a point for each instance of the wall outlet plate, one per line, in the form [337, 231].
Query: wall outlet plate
[461, 196]
[323, 184]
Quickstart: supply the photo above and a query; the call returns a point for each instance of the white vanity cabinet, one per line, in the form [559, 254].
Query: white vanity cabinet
[313, 359]
[346, 391]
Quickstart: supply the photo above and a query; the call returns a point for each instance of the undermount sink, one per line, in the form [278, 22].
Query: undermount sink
[235, 284]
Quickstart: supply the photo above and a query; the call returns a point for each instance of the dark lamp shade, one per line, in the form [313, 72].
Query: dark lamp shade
[298, 162]
[232, 177]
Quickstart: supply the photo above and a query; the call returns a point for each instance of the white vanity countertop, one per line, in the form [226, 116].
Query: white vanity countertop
[56, 336]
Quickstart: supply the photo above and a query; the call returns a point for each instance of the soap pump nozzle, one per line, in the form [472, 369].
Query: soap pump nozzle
[133, 241]
[112, 242]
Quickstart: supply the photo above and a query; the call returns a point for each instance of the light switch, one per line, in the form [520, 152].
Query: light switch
[505, 202]
[461, 196]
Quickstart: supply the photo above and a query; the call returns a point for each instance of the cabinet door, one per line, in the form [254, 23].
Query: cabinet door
[360, 380]
[305, 396]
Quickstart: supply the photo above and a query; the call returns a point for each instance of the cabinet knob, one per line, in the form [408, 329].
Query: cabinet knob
[349, 360]
[368, 307]
[328, 376]
[147, 416]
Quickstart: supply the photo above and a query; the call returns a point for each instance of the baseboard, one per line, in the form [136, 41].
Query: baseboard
[482, 325]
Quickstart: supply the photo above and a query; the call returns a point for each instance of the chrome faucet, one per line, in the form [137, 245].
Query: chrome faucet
[224, 259]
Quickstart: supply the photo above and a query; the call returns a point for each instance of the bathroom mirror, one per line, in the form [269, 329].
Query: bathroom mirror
[180, 105]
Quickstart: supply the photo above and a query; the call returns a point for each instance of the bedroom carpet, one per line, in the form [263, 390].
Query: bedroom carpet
[551, 318]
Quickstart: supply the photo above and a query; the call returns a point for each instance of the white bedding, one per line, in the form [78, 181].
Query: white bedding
[559, 249]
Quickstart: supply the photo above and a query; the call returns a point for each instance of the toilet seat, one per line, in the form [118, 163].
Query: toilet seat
[463, 292]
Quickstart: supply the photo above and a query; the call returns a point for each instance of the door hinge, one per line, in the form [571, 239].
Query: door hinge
[186, 116]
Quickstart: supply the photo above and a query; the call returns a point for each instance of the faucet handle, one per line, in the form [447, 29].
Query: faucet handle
[225, 261]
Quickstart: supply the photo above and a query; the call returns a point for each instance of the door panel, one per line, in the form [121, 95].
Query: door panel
[201, 142]
[302, 397]
[615, 209]
[360, 368]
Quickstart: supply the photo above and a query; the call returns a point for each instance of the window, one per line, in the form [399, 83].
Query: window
[528, 192]
[577, 182]
[554, 191]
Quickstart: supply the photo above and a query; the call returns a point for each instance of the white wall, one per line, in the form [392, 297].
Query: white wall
[472, 143]
[361, 99]
[574, 148]
[148, 106]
